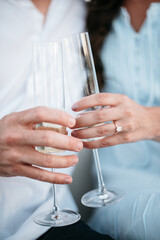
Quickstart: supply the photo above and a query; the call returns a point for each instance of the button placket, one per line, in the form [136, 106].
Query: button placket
[139, 74]
[38, 26]
[137, 56]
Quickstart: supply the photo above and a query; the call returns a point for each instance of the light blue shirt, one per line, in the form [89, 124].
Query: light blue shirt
[132, 67]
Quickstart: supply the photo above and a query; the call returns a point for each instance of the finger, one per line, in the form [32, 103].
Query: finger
[100, 99]
[96, 131]
[98, 116]
[116, 139]
[53, 139]
[34, 157]
[45, 114]
[43, 175]
[125, 126]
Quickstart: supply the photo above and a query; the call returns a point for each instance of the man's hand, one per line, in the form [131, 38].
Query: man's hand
[18, 139]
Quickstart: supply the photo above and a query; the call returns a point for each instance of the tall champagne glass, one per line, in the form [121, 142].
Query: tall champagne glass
[81, 81]
[49, 91]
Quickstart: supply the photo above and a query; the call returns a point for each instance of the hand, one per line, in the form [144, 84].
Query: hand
[18, 156]
[136, 121]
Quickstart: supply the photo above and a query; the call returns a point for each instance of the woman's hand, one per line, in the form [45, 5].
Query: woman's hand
[136, 122]
[18, 156]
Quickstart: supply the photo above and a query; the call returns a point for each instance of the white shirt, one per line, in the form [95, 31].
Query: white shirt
[20, 25]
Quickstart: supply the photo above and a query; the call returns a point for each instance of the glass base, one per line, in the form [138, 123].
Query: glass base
[58, 218]
[95, 198]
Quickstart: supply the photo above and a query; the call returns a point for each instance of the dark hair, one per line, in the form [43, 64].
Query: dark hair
[101, 14]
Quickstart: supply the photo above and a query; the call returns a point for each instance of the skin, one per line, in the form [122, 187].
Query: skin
[18, 137]
[137, 10]
[42, 5]
[136, 120]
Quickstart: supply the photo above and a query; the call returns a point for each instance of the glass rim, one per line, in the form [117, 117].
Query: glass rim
[58, 42]
[46, 43]
[75, 35]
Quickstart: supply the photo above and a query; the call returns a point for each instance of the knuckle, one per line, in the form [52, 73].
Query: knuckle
[48, 160]
[89, 145]
[48, 138]
[14, 155]
[14, 116]
[106, 143]
[130, 126]
[55, 178]
[62, 115]
[100, 98]
[123, 98]
[5, 119]
[102, 130]
[41, 175]
[14, 170]
[39, 113]
[127, 137]
[9, 117]
[9, 138]
[100, 116]
[4, 172]
[93, 144]
[9, 135]
[129, 113]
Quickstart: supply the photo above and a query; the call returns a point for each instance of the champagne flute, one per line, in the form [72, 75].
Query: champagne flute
[49, 91]
[81, 81]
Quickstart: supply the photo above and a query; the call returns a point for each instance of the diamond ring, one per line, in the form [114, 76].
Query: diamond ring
[118, 128]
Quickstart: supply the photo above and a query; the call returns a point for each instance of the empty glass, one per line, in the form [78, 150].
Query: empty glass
[81, 81]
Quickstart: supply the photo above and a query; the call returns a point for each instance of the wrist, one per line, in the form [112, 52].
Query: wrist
[154, 125]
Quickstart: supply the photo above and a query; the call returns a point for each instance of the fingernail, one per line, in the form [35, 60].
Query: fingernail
[72, 122]
[75, 161]
[79, 146]
[68, 180]
[75, 107]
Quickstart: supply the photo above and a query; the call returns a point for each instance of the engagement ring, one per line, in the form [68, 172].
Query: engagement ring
[117, 128]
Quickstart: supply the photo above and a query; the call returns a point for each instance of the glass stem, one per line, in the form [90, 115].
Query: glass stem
[101, 185]
[55, 208]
